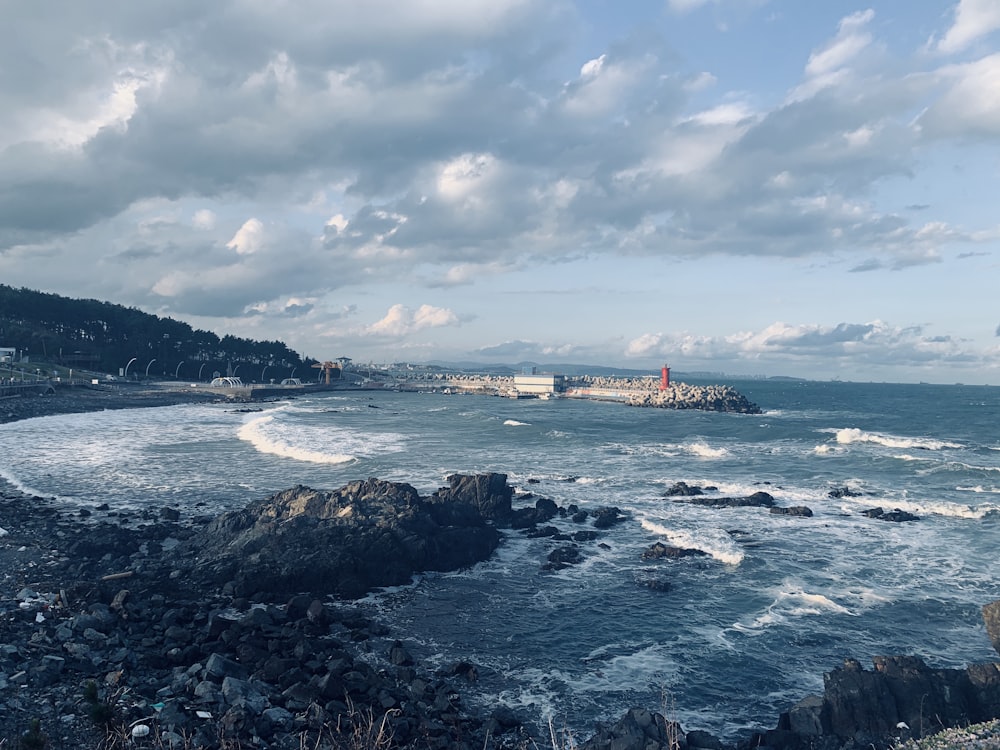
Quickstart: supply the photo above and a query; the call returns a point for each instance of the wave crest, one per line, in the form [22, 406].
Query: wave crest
[713, 542]
[255, 433]
[849, 435]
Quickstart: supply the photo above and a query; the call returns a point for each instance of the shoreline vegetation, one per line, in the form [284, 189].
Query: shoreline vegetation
[141, 631]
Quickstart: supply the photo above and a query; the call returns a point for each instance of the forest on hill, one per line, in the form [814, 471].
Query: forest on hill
[105, 337]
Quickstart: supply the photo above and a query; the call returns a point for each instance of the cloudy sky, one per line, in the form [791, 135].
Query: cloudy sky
[769, 187]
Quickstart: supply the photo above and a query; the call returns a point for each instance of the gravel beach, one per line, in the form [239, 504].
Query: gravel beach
[84, 398]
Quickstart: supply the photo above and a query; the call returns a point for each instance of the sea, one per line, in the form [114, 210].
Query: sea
[723, 641]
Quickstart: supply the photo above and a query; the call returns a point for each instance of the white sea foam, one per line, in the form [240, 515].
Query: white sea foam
[714, 542]
[23, 488]
[942, 508]
[697, 447]
[850, 435]
[921, 506]
[792, 602]
[255, 432]
[979, 489]
[642, 664]
[703, 450]
[828, 450]
[314, 443]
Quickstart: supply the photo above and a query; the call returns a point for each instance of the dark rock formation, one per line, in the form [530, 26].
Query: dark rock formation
[563, 557]
[838, 492]
[683, 489]
[756, 500]
[660, 550]
[638, 730]
[605, 518]
[346, 542]
[795, 510]
[896, 515]
[861, 708]
[522, 518]
[991, 618]
[488, 493]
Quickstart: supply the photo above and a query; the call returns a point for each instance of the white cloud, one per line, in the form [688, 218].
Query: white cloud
[852, 37]
[401, 321]
[974, 19]
[686, 6]
[249, 238]
[280, 72]
[203, 219]
[438, 144]
[970, 103]
[464, 178]
[605, 85]
[337, 223]
[591, 68]
[875, 343]
[701, 82]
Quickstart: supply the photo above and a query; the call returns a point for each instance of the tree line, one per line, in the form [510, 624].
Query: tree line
[105, 337]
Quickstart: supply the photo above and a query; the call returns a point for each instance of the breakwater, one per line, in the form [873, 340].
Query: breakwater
[643, 392]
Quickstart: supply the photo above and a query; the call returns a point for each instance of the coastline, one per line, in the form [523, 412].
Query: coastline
[48, 552]
[77, 399]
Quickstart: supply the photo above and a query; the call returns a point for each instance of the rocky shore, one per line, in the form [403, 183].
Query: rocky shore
[85, 398]
[160, 631]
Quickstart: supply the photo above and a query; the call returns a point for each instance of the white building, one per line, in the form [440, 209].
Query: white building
[7, 355]
[535, 384]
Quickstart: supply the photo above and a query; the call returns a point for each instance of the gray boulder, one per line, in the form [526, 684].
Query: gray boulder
[638, 729]
[991, 618]
[346, 542]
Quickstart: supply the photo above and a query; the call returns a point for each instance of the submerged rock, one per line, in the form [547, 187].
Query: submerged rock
[660, 550]
[794, 510]
[896, 515]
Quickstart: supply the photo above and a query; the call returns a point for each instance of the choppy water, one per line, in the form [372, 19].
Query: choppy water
[740, 635]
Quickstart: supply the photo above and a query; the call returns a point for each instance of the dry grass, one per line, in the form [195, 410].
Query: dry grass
[984, 736]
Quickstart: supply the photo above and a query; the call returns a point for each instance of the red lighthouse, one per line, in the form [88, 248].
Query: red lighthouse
[665, 378]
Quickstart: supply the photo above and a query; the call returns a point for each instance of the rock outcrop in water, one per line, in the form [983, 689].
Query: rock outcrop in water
[346, 542]
[756, 500]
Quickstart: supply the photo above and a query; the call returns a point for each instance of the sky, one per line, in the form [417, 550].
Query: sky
[750, 187]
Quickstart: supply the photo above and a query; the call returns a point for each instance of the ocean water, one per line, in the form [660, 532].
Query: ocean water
[724, 641]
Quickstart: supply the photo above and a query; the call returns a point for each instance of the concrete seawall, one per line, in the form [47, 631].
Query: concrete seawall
[630, 391]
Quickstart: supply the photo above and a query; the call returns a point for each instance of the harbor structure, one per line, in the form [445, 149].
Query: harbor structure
[535, 385]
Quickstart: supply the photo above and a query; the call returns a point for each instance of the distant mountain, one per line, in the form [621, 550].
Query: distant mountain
[573, 370]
